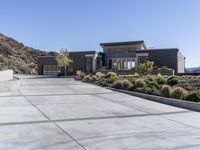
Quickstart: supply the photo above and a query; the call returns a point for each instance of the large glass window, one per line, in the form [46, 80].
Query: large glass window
[123, 63]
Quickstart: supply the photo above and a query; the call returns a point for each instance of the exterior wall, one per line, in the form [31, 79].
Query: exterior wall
[164, 57]
[79, 60]
[45, 60]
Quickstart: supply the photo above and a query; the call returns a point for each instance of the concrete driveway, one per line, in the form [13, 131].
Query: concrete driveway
[63, 114]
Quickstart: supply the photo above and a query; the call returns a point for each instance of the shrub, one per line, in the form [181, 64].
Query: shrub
[126, 84]
[193, 96]
[94, 78]
[178, 93]
[153, 84]
[100, 75]
[145, 68]
[165, 91]
[111, 79]
[103, 82]
[139, 83]
[155, 68]
[136, 75]
[160, 79]
[117, 84]
[111, 74]
[150, 78]
[131, 79]
[147, 90]
[87, 78]
[173, 80]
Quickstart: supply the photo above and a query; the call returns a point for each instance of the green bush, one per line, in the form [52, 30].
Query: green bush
[87, 78]
[117, 84]
[173, 80]
[145, 68]
[147, 90]
[126, 84]
[178, 93]
[111, 74]
[193, 96]
[103, 83]
[131, 79]
[139, 83]
[165, 91]
[111, 79]
[160, 79]
[150, 78]
[152, 84]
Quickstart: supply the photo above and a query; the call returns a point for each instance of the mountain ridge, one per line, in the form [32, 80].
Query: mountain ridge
[19, 57]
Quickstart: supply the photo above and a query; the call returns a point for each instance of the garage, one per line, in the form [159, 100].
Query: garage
[51, 69]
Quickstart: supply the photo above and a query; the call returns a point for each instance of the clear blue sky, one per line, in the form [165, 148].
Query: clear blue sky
[83, 24]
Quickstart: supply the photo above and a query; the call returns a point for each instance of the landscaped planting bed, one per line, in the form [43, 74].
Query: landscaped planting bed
[177, 87]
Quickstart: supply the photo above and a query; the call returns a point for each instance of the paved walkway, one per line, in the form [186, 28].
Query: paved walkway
[63, 114]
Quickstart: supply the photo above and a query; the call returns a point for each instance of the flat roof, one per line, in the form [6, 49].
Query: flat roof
[123, 43]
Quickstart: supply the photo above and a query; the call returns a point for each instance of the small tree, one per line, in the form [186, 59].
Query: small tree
[63, 59]
[145, 68]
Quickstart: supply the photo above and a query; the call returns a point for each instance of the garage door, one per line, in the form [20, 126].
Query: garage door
[51, 69]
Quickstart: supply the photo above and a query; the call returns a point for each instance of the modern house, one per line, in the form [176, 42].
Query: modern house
[115, 56]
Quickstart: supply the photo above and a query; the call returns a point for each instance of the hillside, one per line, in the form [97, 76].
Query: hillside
[15, 55]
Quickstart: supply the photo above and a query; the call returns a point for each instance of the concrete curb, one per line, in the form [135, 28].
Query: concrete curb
[6, 86]
[169, 101]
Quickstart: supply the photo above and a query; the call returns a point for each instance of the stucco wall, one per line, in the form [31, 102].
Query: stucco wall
[6, 75]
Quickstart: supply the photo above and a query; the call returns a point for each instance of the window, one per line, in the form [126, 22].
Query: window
[123, 63]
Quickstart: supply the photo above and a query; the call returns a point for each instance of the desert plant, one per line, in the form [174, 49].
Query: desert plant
[152, 84]
[131, 79]
[145, 68]
[82, 75]
[111, 74]
[178, 93]
[173, 80]
[193, 96]
[126, 84]
[94, 78]
[100, 75]
[165, 91]
[111, 79]
[139, 83]
[103, 83]
[147, 90]
[87, 78]
[156, 68]
[160, 79]
[63, 59]
[117, 84]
